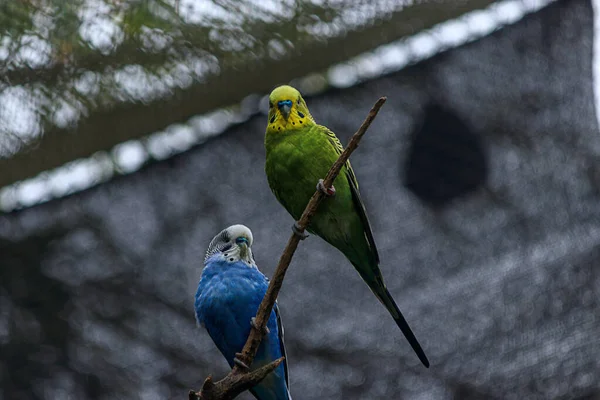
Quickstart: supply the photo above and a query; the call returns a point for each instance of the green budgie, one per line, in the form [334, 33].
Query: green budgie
[299, 154]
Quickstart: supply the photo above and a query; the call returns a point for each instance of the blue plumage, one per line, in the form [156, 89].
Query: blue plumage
[230, 290]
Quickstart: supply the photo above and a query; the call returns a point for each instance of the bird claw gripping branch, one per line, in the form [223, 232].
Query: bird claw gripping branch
[329, 192]
[265, 331]
[297, 232]
[239, 362]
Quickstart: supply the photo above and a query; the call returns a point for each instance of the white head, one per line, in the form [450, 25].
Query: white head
[232, 244]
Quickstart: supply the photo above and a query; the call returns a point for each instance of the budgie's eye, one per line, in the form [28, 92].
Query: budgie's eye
[270, 105]
[241, 240]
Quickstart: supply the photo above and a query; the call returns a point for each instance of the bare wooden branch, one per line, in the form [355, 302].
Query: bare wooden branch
[226, 385]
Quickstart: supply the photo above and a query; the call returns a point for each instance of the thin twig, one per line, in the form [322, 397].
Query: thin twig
[226, 388]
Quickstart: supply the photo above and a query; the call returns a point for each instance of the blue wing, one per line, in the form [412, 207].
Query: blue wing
[275, 385]
[282, 344]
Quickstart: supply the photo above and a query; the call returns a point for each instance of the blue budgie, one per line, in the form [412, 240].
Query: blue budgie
[230, 290]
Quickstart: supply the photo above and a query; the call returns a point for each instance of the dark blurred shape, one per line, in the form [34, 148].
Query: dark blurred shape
[40, 310]
[445, 160]
[466, 391]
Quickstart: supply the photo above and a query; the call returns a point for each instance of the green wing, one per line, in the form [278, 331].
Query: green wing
[359, 205]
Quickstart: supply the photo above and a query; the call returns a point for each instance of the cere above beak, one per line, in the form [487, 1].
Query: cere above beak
[285, 106]
[241, 240]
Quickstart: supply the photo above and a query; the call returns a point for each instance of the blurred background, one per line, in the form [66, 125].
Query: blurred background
[131, 132]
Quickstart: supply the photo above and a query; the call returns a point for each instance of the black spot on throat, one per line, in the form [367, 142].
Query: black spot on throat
[300, 114]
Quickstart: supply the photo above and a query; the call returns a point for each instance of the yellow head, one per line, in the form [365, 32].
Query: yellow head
[287, 110]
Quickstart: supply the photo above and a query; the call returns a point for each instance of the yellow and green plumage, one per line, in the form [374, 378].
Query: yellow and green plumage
[299, 153]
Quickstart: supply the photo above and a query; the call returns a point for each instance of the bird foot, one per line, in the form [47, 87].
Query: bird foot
[297, 232]
[329, 192]
[239, 362]
[265, 331]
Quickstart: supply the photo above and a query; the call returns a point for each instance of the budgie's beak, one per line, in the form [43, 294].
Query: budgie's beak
[243, 252]
[242, 242]
[285, 106]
